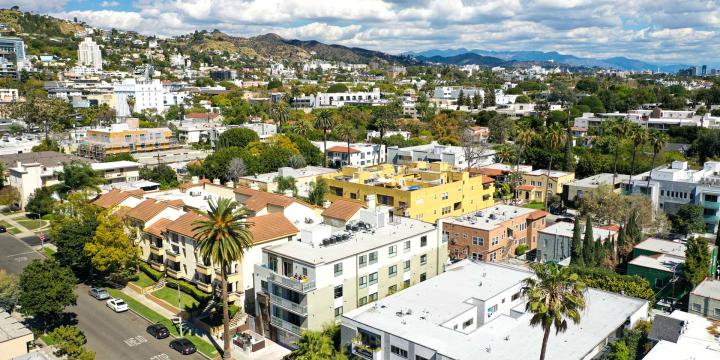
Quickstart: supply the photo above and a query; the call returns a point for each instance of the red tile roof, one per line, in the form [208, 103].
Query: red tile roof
[487, 180]
[264, 228]
[526, 187]
[342, 149]
[342, 209]
[189, 184]
[147, 209]
[112, 198]
[537, 214]
[158, 228]
[256, 200]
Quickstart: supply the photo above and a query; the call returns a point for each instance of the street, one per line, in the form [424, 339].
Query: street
[119, 335]
[15, 254]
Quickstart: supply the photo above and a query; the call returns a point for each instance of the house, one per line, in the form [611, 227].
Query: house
[303, 178]
[309, 283]
[537, 182]
[492, 234]
[681, 335]
[501, 172]
[705, 299]
[554, 242]
[359, 154]
[15, 338]
[574, 191]
[434, 152]
[476, 311]
[123, 138]
[423, 191]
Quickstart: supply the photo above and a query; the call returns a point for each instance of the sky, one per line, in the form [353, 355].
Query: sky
[661, 31]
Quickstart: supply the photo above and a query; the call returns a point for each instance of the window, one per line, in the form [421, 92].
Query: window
[406, 284]
[363, 282]
[372, 297]
[393, 289]
[406, 266]
[398, 351]
[445, 196]
[362, 301]
[423, 240]
[717, 312]
[492, 310]
[418, 357]
[476, 240]
[373, 278]
[476, 257]
[338, 269]
[446, 210]
[362, 261]
[406, 247]
[392, 250]
[659, 282]
[338, 311]
[467, 323]
[392, 271]
[423, 277]
[515, 296]
[423, 259]
[338, 291]
[373, 257]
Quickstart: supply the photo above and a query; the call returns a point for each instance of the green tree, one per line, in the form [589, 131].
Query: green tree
[522, 99]
[337, 88]
[599, 253]
[619, 351]
[46, 288]
[9, 291]
[162, 174]
[697, 261]
[237, 137]
[318, 345]
[589, 243]
[620, 128]
[318, 189]
[657, 140]
[69, 341]
[297, 161]
[280, 114]
[639, 137]
[688, 219]
[224, 237]
[286, 183]
[111, 251]
[555, 139]
[384, 120]
[576, 247]
[346, 132]
[72, 227]
[324, 122]
[119, 157]
[77, 175]
[41, 201]
[555, 296]
[489, 98]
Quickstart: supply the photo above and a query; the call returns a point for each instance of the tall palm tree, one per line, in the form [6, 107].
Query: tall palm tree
[620, 128]
[384, 121]
[639, 137]
[131, 103]
[346, 132]
[324, 122]
[280, 114]
[302, 126]
[503, 153]
[523, 139]
[554, 296]
[223, 238]
[555, 137]
[658, 141]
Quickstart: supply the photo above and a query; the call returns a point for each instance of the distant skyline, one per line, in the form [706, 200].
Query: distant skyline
[660, 31]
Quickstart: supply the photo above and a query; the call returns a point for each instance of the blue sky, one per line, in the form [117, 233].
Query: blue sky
[663, 31]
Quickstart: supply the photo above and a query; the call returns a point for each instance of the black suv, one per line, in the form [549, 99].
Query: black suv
[158, 331]
[183, 346]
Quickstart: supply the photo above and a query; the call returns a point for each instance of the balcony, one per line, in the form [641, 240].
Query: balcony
[285, 325]
[156, 250]
[175, 274]
[159, 266]
[365, 351]
[712, 219]
[300, 285]
[288, 305]
[204, 269]
[231, 277]
[173, 256]
[203, 286]
[711, 205]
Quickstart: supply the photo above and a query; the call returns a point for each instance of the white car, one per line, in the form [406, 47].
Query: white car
[118, 305]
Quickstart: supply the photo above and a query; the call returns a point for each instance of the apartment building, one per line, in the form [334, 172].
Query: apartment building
[141, 94]
[476, 311]
[492, 234]
[705, 299]
[89, 54]
[125, 137]
[309, 283]
[422, 191]
[554, 241]
[434, 152]
[537, 182]
[671, 186]
[574, 191]
[359, 154]
[12, 56]
[303, 177]
[657, 118]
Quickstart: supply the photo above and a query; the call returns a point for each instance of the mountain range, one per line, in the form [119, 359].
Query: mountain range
[462, 56]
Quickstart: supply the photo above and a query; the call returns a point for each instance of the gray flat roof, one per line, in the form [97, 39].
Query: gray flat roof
[443, 297]
[661, 262]
[709, 288]
[600, 179]
[45, 158]
[490, 218]
[10, 328]
[296, 173]
[663, 247]
[566, 229]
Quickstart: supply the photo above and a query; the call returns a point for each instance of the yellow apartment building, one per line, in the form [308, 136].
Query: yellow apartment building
[534, 183]
[423, 191]
[125, 138]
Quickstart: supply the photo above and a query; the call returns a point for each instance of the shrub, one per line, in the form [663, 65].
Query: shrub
[630, 285]
[521, 249]
[191, 290]
[150, 272]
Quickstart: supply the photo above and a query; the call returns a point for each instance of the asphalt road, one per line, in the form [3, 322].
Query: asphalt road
[15, 254]
[119, 335]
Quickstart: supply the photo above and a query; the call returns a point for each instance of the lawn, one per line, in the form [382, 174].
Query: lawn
[49, 340]
[144, 311]
[534, 205]
[171, 296]
[9, 228]
[143, 280]
[31, 224]
[50, 253]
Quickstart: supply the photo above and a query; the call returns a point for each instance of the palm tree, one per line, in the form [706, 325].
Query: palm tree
[621, 128]
[131, 103]
[555, 137]
[384, 121]
[302, 126]
[639, 137]
[280, 114]
[503, 153]
[346, 132]
[554, 296]
[324, 122]
[523, 139]
[223, 238]
[658, 141]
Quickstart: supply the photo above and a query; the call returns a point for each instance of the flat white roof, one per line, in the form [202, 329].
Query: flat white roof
[553, 173]
[695, 343]
[123, 164]
[490, 218]
[566, 229]
[600, 179]
[709, 288]
[308, 171]
[444, 297]
[658, 262]
[663, 247]
[359, 242]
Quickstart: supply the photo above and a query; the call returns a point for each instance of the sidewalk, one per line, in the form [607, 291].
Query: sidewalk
[147, 302]
[24, 232]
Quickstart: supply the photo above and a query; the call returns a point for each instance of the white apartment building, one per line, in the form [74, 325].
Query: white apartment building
[8, 95]
[376, 134]
[554, 242]
[89, 54]
[303, 178]
[146, 94]
[337, 100]
[360, 154]
[670, 186]
[309, 283]
[476, 311]
[434, 152]
[656, 118]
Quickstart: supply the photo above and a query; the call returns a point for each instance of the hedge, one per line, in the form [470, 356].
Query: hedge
[191, 290]
[150, 272]
[630, 285]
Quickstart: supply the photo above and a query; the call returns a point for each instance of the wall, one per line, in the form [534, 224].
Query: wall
[709, 308]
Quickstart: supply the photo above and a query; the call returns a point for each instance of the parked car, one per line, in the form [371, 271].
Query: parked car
[118, 305]
[158, 331]
[34, 216]
[2, 229]
[99, 293]
[557, 209]
[183, 346]
[565, 219]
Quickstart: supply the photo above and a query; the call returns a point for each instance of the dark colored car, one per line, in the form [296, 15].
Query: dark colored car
[557, 209]
[565, 219]
[158, 331]
[183, 346]
[2, 229]
[33, 216]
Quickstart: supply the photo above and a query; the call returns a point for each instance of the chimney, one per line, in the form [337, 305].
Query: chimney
[230, 184]
[216, 181]
[371, 201]
[326, 204]
[195, 180]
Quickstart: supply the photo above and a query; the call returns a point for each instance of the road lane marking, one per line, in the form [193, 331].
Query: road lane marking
[25, 253]
[135, 341]
[162, 356]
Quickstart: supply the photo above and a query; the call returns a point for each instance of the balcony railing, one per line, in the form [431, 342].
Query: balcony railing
[366, 352]
[711, 205]
[278, 322]
[288, 305]
[203, 269]
[172, 255]
[304, 285]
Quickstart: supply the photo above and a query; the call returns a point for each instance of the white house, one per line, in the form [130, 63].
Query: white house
[360, 154]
